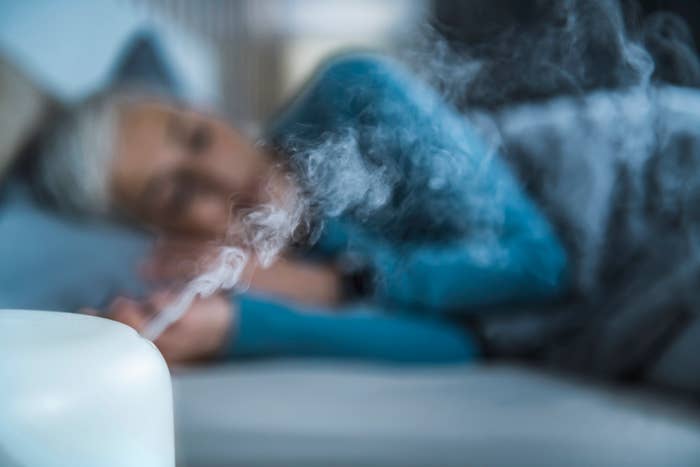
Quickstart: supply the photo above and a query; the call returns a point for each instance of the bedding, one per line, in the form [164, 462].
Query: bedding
[310, 413]
[53, 263]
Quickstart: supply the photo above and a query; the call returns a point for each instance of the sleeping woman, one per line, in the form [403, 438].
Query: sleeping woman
[440, 229]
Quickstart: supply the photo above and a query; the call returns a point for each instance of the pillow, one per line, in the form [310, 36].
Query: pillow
[53, 263]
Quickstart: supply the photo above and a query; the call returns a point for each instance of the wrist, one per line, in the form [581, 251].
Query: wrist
[226, 330]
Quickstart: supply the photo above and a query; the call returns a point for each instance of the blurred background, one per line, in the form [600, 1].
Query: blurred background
[241, 57]
[244, 59]
[263, 51]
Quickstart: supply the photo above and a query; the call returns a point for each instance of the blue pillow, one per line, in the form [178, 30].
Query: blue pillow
[53, 263]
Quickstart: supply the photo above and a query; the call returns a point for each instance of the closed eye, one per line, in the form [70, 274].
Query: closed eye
[200, 139]
[194, 138]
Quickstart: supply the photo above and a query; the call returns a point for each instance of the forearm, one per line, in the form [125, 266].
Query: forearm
[491, 244]
[265, 328]
[303, 283]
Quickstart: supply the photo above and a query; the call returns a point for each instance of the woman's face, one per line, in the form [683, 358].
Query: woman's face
[184, 172]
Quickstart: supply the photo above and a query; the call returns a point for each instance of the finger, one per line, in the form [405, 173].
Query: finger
[168, 341]
[159, 303]
[129, 312]
[121, 303]
[160, 300]
[170, 346]
[88, 311]
[131, 318]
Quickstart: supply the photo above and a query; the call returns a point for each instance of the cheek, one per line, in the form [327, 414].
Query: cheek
[239, 163]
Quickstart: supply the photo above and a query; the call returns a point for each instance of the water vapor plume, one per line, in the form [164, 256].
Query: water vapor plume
[259, 234]
[576, 96]
[572, 95]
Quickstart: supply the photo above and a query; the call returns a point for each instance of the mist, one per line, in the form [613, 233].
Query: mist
[577, 100]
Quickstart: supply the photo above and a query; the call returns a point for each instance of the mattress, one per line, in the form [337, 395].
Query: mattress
[326, 413]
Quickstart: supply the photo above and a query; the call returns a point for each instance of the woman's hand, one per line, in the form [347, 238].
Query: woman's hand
[178, 260]
[199, 334]
[300, 282]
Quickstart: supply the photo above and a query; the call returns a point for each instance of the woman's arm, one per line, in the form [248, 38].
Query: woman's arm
[267, 328]
[469, 276]
[300, 282]
[246, 326]
[501, 248]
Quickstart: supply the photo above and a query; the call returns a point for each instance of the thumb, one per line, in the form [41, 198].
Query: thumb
[129, 312]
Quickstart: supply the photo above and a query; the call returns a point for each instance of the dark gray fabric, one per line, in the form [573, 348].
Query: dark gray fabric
[310, 413]
[538, 49]
[617, 174]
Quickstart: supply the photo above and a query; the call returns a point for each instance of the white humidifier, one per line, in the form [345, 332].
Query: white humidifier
[81, 391]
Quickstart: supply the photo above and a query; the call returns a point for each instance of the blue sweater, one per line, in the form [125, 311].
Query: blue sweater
[510, 256]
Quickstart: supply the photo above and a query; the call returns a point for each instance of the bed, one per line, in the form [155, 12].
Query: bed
[323, 413]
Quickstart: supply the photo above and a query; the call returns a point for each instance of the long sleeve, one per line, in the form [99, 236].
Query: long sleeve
[268, 328]
[482, 242]
[521, 262]
[466, 277]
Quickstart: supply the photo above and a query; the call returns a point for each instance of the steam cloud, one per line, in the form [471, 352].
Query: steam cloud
[578, 100]
[610, 154]
[262, 232]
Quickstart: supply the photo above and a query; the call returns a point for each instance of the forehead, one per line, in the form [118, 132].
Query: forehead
[136, 115]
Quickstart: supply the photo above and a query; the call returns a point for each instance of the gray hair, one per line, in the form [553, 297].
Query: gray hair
[74, 161]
